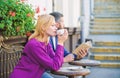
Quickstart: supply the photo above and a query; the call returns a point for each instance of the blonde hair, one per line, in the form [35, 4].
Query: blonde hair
[44, 21]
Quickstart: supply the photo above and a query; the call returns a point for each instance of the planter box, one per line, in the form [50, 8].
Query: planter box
[10, 52]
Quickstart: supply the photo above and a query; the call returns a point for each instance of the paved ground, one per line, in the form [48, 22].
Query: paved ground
[97, 72]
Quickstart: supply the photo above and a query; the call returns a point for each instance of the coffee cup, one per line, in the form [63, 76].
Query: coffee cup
[60, 31]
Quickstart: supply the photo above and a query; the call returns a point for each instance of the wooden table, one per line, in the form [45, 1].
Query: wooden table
[85, 62]
[71, 72]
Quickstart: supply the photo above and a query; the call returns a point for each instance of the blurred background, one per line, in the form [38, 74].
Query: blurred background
[95, 20]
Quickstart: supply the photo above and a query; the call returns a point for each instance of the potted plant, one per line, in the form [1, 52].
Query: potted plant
[16, 18]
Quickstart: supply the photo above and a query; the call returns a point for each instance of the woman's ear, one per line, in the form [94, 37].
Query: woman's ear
[43, 28]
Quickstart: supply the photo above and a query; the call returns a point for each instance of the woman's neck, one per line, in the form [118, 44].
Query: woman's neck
[43, 39]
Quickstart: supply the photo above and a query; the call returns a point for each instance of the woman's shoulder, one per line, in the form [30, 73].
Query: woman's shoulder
[34, 42]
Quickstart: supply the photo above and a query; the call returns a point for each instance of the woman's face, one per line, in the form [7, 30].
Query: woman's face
[51, 31]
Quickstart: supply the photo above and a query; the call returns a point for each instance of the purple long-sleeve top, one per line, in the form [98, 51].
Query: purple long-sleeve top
[36, 58]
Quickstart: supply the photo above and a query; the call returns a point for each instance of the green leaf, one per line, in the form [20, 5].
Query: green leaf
[2, 25]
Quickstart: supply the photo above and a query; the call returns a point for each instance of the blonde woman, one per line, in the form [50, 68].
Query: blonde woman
[38, 55]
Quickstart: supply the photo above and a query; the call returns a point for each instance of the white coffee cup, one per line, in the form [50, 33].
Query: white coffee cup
[60, 31]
